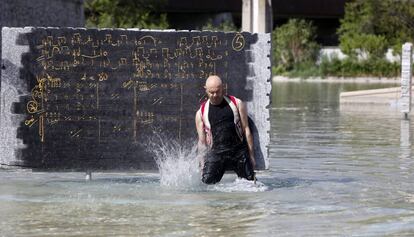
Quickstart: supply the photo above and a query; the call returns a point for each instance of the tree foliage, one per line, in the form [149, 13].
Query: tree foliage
[125, 14]
[370, 27]
[223, 26]
[293, 44]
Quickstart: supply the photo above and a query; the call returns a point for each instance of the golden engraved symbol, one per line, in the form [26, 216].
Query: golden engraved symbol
[117, 128]
[157, 101]
[197, 40]
[143, 39]
[143, 86]
[65, 50]
[75, 133]
[37, 93]
[53, 82]
[32, 107]
[108, 38]
[76, 39]
[115, 96]
[124, 38]
[76, 52]
[238, 42]
[35, 106]
[122, 61]
[41, 128]
[53, 117]
[128, 84]
[212, 56]
[30, 122]
[183, 42]
[83, 78]
[103, 76]
[145, 117]
[61, 40]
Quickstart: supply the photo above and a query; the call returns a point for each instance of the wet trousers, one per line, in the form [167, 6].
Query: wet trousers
[215, 164]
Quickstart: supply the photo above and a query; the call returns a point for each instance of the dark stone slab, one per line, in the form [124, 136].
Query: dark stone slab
[79, 99]
[20, 13]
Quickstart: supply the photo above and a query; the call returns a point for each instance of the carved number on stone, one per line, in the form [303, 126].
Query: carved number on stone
[238, 42]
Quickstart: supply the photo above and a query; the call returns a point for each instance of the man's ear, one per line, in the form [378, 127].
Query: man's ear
[205, 87]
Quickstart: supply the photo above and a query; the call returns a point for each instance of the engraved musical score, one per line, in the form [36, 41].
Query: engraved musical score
[94, 90]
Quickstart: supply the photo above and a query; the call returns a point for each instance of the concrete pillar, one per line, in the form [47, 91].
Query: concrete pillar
[247, 15]
[406, 74]
[257, 16]
[269, 16]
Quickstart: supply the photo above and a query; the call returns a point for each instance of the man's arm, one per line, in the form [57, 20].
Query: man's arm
[202, 144]
[247, 133]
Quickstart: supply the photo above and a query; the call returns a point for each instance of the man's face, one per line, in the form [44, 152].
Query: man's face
[215, 93]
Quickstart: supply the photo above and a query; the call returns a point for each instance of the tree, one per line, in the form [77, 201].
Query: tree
[294, 43]
[125, 14]
[370, 27]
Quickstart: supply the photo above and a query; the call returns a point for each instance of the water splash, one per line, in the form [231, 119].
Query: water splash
[179, 169]
[240, 185]
[178, 165]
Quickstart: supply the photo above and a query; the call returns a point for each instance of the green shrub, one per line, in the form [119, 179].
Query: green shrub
[366, 45]
[305, 70]
[224, 26]
[372, 26]
[125, 14]
[350, 67]
[294, 43]
[367, 30]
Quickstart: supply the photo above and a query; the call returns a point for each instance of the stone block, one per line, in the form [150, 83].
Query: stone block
[90, 99]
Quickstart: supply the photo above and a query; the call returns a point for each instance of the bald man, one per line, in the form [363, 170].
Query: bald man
[224, 137]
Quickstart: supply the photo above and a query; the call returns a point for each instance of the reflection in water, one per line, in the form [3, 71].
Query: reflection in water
[313, 137]
[405, 139]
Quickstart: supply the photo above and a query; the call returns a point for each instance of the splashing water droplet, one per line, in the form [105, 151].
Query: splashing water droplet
[240, 185]
[179, 169]
[178, 165]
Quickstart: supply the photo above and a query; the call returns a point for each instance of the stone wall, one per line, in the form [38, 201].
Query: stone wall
[77, 99]
[20, 13]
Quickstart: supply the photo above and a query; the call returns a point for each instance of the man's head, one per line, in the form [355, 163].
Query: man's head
[214, 89]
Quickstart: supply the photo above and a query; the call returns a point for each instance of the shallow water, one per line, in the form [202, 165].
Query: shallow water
[333, 172]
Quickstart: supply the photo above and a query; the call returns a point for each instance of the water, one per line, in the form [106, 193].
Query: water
[334, 171]
[179, 169]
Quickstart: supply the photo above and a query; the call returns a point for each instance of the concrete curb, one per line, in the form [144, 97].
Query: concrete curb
[339, 80]
[389, 96]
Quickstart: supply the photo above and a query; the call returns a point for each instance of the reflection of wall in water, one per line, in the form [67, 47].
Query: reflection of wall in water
[405, 139]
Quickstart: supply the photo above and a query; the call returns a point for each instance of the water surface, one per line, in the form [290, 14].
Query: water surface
[333, 172]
